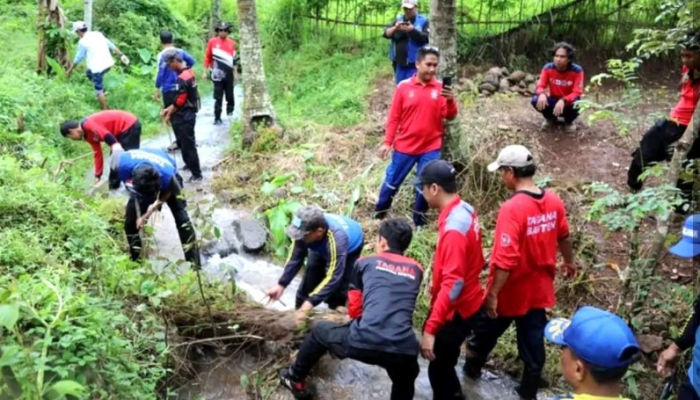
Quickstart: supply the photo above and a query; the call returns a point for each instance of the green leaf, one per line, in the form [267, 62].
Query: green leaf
[56, 67]
[148, 288]
[10, 355]
[67, 387]
[297, 190]
[145, 55]
[9, 314]
[245, 381]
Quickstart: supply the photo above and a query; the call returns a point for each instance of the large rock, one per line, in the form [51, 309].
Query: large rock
[494, 71]
[650, 343]
[503, 86]
[223, 246]
[531, 88]
[517, 76]
[504, 72]
[251, 234]
[529, 78]
[487, 87]
[492, 79]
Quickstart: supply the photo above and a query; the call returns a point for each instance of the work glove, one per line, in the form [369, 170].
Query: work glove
[124, 59]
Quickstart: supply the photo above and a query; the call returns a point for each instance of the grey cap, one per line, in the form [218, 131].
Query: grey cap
[171, 55]
[512, 156]
[304, 218]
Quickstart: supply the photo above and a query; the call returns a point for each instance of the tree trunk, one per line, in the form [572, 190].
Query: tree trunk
[87, 13]
[257, 105]
[215, 16]
[50, 15]
[671, 178]
[443, 35]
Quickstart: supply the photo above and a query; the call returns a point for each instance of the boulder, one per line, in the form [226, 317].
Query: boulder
[532, 88]
[650, 343]
[488, 87]
[486, 93]
[223, 246]
[494, 71]
[279, 193]
[492, 79]
[503, 86]
[504, 72]
[514, 88]
[517, 76]
[251, 234]
[529, 78]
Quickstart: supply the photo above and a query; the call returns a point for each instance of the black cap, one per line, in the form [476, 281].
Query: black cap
[439, 172]
[223, 26]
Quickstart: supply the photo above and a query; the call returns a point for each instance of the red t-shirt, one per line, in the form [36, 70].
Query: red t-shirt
[690, 93]
[567, 85]
[99, 126]
[414, 125]
[220, 51]
[458, 261]
[528, 231]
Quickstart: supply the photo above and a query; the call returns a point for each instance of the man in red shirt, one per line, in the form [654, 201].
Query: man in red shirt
[456, 293]
[565, 82]
[119, 129]
[530, 228]
[182, 114]
[657, 143]
[414, 130]
[219, 61]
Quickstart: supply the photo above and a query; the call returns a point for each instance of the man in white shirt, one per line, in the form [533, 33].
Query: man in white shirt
[95, 49]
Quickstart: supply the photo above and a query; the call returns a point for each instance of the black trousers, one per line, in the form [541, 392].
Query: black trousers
[129, 140]
[448, 344]
[657, 146]
[570, 111]
[178, 206]
[687, 392]
[530, 337]
[183, 125]
[224, 86]
[316, 267]
[331, 337]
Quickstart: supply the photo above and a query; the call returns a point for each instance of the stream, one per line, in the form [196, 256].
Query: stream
[219, 378]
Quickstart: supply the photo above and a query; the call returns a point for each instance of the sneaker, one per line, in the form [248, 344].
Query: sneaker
[173, 147]
[218, 121]
[195, 179]
[570, 128]
[298, 388]
[547, 124]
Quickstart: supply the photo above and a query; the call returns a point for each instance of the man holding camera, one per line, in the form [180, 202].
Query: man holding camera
[408, 33]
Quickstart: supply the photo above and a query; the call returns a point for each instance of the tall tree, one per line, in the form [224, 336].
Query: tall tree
[87, 13]
[443, 35]
[215, 16]
[50, 17]
[257, 104]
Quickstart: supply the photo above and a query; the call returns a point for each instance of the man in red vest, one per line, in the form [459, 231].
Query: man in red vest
[219, 61]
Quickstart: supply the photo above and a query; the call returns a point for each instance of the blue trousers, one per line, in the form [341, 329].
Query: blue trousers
[570, 112]
[401, 165]
[403, 73]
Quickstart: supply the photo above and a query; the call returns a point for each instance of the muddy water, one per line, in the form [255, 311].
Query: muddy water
[220, 378]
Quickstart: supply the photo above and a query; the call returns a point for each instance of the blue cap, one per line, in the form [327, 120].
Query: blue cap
[600, 338]
[689, 245]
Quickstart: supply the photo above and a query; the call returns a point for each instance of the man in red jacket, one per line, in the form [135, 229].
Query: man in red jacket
[530, 228]
[119, 129]
[414, 130]
[219, 61]
[565, 82]
[456, 292]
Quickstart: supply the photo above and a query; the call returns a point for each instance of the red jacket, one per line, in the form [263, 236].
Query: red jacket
[690, 93]
[414, 125]
[456, 267]
[567, 85]
[220, 51]
[105, 126]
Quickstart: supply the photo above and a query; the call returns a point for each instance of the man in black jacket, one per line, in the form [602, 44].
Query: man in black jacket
[382, 297]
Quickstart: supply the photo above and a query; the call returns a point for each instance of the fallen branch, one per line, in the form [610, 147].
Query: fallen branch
[64, 163]
[218, 339]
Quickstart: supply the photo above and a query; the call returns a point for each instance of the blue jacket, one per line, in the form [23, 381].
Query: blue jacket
[166, 80]
[163, 163]
[344, 237]
[413, 46]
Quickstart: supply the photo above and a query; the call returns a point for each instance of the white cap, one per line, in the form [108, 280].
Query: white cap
[79, 25]
[512, 156]
[409, 3]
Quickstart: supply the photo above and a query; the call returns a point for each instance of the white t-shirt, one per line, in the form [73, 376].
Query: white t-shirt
[98, 57]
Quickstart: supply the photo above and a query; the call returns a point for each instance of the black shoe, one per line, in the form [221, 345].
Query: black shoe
[471, 370]
[195, 179]
[298, 388]
[218, 121]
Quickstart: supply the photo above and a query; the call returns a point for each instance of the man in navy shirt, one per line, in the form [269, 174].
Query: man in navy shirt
[152, 179]
[382, 297]
[332, 243]
[166, 80]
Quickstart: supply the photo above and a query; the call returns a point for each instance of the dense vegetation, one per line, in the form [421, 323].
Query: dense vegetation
[77, 317]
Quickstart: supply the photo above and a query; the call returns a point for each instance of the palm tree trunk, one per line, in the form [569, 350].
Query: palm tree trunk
[257, 104]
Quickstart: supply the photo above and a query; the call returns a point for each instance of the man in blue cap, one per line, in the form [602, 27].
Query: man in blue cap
[687, 247]
[597, 349]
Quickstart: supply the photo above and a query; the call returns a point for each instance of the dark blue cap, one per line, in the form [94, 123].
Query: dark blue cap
[599, 338]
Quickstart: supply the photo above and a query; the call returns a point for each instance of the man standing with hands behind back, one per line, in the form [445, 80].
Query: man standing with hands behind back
[408, 32]
[414, 130]
[218, 59]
